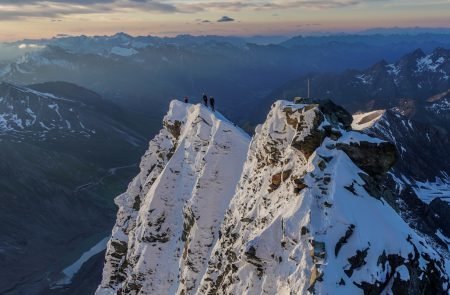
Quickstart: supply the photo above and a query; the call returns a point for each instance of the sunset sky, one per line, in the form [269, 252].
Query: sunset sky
[36, 19]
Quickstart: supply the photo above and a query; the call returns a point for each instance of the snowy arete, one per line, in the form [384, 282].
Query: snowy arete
[301, 209]
[170, 216]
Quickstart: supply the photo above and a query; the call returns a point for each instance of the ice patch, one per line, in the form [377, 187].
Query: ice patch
[426, 63]
[365, 79]
[55, 107]
[440, 107]
[70, 271]
[403, 272]
[428, 191]
[121, 51]
[366, 120]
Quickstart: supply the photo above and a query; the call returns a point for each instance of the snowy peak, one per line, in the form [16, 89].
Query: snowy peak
[314, 222]
[169, 218]
[422, 66]
[437, 61]
[36, 63]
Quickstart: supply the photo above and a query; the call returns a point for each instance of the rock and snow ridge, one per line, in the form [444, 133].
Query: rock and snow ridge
[169, 218]
[307, 215]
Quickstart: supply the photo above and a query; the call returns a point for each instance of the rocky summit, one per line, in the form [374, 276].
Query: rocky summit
[304, 207]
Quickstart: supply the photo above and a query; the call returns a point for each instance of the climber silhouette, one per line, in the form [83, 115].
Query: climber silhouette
[205, 99]
[186, 99]
[212, 102]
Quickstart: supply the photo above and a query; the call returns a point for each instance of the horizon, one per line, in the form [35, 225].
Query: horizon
[386, 31]
[37, 19]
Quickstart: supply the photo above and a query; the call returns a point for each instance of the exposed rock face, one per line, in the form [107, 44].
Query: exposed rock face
[382, 156]
[169, 218]
[308, 214]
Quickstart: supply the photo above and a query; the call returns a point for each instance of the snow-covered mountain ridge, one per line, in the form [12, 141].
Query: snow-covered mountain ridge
[307, 215]
[170, 216]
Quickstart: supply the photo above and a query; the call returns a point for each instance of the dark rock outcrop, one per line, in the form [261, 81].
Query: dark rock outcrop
[382, 156]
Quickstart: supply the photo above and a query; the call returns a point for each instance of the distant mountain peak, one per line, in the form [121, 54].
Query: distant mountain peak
[57, 111]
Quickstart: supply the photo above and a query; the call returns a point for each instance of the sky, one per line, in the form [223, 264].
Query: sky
[20, 19]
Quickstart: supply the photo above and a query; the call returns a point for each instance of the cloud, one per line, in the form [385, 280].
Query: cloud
[57, 9]
[225, 19]
[195, 6]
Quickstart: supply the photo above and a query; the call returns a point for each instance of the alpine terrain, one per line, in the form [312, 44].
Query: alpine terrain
[417, 86]
[63, 151]
[142, 72]
[309, 205]
[421, 175]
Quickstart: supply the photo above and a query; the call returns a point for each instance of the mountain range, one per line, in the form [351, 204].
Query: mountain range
[417, 86]
[145, 72]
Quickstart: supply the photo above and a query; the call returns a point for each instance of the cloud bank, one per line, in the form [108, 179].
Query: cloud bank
[16, 9]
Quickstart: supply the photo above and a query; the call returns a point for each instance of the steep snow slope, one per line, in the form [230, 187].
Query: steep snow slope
[309, 216]
[169, 218]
